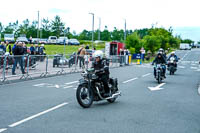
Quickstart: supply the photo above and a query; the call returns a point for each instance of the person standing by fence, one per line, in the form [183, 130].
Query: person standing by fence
[8, 48]
[81, 53]
[18, 52]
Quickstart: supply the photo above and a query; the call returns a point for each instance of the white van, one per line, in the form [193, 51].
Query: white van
[185, 46]
[52, 40]
[9, 37]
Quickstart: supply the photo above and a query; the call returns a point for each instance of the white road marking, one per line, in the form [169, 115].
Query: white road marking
[130, 80]
[66, 87]
[193, 67]
[39, 85]
[73, 82]
[37, 115]
[3, 129]
[157, 87]
[146, 75]
[199, 90]
[75, 88]
[57, 86]
[181, 67]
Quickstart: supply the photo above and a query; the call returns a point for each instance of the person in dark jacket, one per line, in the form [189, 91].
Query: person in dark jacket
[32, 49]
[2, 46]
[18, 52]
[24, 48]
[160, 60]
[102, 70]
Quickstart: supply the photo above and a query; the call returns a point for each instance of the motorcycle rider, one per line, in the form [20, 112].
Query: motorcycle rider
[161, 50]
[174, 56]
[160, 60]
[102, 70]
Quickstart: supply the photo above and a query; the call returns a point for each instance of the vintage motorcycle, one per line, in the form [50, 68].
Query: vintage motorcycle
[159, 73]
[90, 89]
[172, 66]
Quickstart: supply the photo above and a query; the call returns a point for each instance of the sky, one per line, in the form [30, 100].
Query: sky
[182, 15]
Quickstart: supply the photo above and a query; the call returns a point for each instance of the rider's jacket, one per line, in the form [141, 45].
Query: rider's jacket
[101, 65]
[160, 60]
[176, 58]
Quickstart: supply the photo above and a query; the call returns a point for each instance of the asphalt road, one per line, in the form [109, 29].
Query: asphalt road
[49, 105]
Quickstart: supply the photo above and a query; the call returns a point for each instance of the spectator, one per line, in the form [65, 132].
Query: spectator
[30, 39]
[8, 48]
[24, 48]
[3, 47]
[42, 52]
[18, 51]
[14, 46]
[36, 49]
[81, 53]
[87, 47]
[121, 57]
[32, 49]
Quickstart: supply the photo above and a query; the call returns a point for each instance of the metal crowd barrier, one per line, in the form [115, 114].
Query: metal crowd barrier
[34, 66]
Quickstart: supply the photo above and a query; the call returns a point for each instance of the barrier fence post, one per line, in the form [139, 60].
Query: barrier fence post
[27, 71]
[47, 58]
[4, 68]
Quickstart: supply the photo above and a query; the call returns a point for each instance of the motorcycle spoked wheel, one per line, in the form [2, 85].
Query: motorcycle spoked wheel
[84, 96]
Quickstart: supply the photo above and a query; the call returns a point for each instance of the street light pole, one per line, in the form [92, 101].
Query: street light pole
[125, 31]
[92, 29]
[99, 29]
[38, 25]
[64, 40]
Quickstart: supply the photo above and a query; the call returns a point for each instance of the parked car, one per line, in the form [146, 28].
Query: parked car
[73, 42]
[22, 39]
[9, 37]
[62, 40]
[43, 41]
[35, 40]
[52, 40]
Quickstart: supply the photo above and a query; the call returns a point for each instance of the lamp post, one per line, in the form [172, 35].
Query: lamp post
[125, 30]
[99, 35]
[38, 26]
[65, 40]
[92, 29]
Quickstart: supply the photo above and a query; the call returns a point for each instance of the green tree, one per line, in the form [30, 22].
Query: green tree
[133, 41]
[46, 28]
[105, 35]
[152, 43]
[57, 26]
[187, 41]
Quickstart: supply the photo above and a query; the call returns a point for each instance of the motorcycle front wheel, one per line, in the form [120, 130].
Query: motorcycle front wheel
[84, 96]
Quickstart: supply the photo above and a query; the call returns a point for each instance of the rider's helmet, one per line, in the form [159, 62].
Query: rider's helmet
[173, 53]
[98, 53]
[161, 50]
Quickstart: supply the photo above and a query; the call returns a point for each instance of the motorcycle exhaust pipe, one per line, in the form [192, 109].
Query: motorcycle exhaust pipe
[114, 95]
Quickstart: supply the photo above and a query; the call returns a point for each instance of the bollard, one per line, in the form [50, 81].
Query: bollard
[138, 62]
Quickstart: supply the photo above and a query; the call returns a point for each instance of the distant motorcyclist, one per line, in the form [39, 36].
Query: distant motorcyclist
[160, 60]
[173, 56]
[161, 50]
[102, 70]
